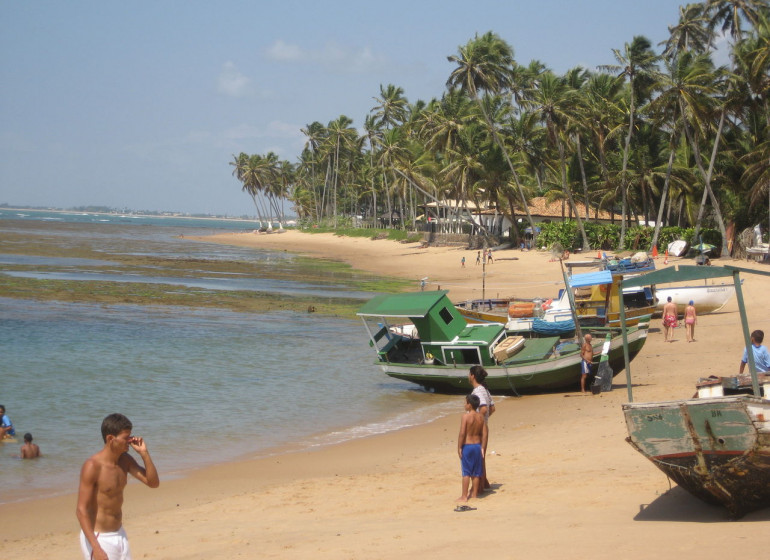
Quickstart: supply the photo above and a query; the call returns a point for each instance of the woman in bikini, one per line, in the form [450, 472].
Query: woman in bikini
[690, 319]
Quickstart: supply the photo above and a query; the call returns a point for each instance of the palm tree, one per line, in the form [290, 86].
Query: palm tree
[557, 104]
[604, 116]
[577, 80]
[341, 136]
[391, 106]
[730, 13]
[752, 59]
[315, 133]
[636, 63]
[485, 63]
[697, 88]
[691, 33]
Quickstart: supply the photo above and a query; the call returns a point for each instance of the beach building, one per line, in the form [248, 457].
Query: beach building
[451, 215]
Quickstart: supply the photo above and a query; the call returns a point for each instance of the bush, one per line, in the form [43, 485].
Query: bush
[638, 238]
[564, 233]
[602, 236]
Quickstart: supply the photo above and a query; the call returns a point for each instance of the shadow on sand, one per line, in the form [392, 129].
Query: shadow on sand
[679, 505]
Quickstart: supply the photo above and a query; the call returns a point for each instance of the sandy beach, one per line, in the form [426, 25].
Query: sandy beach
[565, 483]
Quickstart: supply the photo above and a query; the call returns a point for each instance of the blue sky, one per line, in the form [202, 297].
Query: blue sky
[142, 104]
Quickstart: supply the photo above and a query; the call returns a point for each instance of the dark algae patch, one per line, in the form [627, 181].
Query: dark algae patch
[154, 260]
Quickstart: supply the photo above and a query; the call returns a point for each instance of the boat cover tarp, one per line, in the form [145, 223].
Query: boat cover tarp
[590, 279]
[552, 327]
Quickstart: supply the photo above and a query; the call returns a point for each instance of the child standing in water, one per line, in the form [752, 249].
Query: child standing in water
[690, 320]
[29, 450]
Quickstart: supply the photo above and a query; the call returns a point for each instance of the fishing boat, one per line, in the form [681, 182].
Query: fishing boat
[599, 302]
[442, 346]
[592, 294]
[529, 317]
[716, 446]
[487, 310]
[708, 298]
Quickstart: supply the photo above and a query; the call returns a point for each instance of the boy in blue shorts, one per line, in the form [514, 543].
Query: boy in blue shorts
[471, 448]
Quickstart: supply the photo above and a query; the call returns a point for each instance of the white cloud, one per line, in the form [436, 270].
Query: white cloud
[332, 56]
[281, 51]
[232, 83]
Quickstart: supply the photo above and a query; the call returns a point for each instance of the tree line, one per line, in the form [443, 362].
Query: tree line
[661, 135]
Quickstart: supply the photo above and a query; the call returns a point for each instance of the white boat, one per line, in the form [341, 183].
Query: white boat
[678, 248]
[707, 297]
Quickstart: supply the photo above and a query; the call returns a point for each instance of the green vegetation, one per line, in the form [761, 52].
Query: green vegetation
[606, 236]
[115, 293]
[661, 135]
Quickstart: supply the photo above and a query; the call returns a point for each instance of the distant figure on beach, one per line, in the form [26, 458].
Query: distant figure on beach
[489, 256]
[462, 262]
[690, 320]
[669, 319]
[6, 426]
[471, 447]
[486, 407]
[100, 496]
[587, 355]
[761, 355]
[29, 450]
[478, 257]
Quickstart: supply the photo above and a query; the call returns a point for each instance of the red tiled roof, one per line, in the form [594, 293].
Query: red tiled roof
[540, 207]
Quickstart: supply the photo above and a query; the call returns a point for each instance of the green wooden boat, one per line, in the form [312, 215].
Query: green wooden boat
[718, 447]
[422, 338]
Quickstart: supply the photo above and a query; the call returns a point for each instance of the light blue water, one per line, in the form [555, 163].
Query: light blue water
[202, 386]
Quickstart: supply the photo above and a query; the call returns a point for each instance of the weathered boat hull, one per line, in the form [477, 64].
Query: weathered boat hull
[716, 448]
[541, 375]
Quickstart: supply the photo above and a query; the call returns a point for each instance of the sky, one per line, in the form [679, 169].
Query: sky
[142, 105]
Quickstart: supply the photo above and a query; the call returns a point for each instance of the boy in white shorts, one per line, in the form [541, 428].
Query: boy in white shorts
[100, 496]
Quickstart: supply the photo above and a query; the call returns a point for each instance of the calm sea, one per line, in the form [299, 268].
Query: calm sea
[203, 386]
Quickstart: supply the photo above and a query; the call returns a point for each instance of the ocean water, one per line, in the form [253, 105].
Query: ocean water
[202, 386]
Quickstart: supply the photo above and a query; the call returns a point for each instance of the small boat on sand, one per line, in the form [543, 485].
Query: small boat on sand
[441, 347]
[708, 298]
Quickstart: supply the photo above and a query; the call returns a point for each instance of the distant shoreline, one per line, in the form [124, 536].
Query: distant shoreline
[127, 214]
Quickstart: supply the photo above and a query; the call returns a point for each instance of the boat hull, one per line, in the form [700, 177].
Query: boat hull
[538, 376]
[718, 448]
[707, 298]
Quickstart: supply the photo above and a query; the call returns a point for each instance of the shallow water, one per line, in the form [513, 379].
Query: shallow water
[201, 385]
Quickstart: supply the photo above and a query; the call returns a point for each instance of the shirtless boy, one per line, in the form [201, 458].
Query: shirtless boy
[100, 497]
[471, 447]
[29, 450]
[587, 355]
[669, 319]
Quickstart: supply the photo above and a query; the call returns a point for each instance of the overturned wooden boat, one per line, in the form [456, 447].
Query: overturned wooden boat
[717, 446]
[439, 351]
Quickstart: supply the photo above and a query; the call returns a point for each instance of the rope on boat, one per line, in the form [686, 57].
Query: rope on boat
[510, 383]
